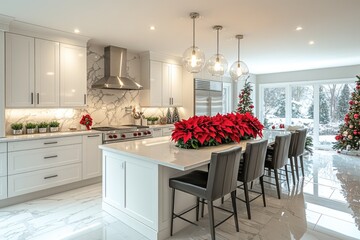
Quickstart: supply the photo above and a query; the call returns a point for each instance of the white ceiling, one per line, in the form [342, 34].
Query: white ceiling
[270, 44]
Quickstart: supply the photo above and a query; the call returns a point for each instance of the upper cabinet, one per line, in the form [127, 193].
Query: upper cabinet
[44, 73]
[161, 77]
[19, 73]
[72, 76]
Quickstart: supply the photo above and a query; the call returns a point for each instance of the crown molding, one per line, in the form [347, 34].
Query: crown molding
[5, 22]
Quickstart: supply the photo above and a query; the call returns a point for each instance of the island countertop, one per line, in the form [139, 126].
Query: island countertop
[163, 151]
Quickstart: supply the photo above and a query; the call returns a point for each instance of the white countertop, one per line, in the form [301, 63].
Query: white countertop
[161, 125]
[25, 137]
[163, 151]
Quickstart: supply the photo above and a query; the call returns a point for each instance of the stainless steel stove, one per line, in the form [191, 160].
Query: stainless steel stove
[124, 133]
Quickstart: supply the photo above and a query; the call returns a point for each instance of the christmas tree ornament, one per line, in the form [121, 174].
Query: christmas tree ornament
[168, 116]
[175, 115]
[245, 102]
[348, 134]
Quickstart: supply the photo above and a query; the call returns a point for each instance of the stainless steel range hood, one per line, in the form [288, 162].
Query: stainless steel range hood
[115, 71]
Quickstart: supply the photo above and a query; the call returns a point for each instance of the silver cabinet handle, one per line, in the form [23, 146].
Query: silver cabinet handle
[85, 99]
[46, 143]
[37, 98]
[53, 156]
[93, 135]
[52, 176]
[32, 98]
[172, 101]
[169, 101]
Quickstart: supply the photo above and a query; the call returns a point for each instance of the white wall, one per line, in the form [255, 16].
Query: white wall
[2, 84]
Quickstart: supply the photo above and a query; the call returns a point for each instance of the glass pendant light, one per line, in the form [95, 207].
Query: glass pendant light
[217, 64]
[239, 69]
[193, 57]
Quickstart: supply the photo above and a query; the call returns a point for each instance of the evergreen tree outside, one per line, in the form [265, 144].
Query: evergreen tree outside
[245, 102]
[324, 115]
[343, 102]
[348, 136]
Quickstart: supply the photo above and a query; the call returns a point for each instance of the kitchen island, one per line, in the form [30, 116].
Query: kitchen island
[136, 182]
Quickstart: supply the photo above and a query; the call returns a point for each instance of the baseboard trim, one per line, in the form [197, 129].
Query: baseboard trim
[47, 192]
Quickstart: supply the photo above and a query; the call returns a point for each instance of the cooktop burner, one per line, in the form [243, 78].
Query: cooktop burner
[137, 126]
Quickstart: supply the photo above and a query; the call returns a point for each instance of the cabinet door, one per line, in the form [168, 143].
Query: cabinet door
[166, 84]
[19, 55]
[46, 73]
[91, 156]
[176, 85]
[156, 85]
[72, 76]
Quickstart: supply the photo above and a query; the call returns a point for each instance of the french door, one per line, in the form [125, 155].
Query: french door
[320, 107]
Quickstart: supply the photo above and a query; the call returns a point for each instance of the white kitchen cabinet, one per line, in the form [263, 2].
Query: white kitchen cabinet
[157, 132]
[28, 182]
[2, 83]
[47, 73]
[3, 171]
[161, 77]
[42, 73]
[72, 76]
[35, 165]
[167, 131]
[172, 85]
[91, 156]
[19, 74]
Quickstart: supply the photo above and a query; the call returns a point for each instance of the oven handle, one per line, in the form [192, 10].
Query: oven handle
[125, 140]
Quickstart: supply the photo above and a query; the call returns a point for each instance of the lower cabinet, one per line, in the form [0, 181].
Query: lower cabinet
[3, 171]
[167, 131]
[157, 132]
[19, 184]
[3, 187]
[91, 156]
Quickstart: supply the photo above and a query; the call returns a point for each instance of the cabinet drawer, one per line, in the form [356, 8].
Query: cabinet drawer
[157, 132]
[38, 180]
[3, 187]
[43, 143]
[3, 147]
[3, 165]
[30, 160]
[167, 131]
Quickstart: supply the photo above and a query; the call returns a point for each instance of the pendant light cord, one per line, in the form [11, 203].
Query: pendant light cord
[193, 33]
[217, 47]
[238, 49]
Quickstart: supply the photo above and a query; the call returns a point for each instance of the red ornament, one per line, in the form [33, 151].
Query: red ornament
[351, 102]
[355, 132]
[251, 106]
[273, 126]
[356, 116]
[357, 87]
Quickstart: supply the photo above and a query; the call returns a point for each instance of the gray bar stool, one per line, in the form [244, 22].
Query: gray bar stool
[209, 186]
[277, 158]
[252, 168]
[299, 151]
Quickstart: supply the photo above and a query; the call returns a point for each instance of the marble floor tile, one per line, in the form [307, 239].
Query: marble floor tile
[323, 205]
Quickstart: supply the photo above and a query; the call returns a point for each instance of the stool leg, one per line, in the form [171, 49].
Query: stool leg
[247, 201]
[302, 165]
[202, 208]
[287, 177]
[172, 212]
[233, 200]
[222, 200]
[292, 169]
[197, 208]
[211, 219]
[262, 189]
[296, 167]
[277, 182]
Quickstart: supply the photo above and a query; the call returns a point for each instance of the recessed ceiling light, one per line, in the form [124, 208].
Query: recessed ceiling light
[311, 42]
[299, 28]
[152, 27]
[76, 30]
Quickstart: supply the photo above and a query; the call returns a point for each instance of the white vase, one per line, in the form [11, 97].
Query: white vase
[42, 130]
[17, 132]
[138, 122]
[54, 129]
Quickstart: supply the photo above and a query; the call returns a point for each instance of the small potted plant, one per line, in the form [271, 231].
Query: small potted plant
[30, 127]
[54, 126]
[43, 127]
[155, 120]
[17, 128]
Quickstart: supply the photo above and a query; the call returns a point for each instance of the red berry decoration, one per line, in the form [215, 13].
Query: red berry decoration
[273, 127]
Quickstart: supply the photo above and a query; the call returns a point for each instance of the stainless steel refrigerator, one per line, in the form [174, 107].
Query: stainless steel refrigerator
[208, 97]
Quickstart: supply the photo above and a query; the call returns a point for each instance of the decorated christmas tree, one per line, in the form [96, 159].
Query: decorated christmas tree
[245, 103]
[349, 134]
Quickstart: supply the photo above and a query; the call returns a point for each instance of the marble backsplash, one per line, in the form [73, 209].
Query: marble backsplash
[106, 107]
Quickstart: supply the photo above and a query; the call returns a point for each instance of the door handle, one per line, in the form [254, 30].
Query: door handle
[37, 98]
[53, 156]
[46, 143]
[32, 98]
[93, 135]
[85, 99]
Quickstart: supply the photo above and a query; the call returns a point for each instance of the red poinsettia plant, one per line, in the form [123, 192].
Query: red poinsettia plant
[87, 121]
[200, 131]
